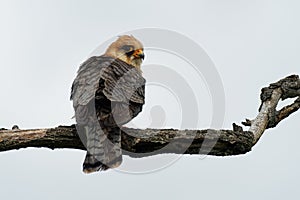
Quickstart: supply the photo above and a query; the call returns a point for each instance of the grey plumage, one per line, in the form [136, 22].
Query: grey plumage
[106, 94]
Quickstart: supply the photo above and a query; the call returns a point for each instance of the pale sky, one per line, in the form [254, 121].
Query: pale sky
[251, 43]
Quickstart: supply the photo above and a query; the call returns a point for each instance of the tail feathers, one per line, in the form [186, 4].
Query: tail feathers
[103, 149]
[91, 164]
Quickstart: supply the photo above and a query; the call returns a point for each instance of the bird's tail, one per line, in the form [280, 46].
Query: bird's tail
[103, 148]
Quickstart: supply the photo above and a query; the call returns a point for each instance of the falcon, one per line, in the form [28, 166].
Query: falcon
[108, 91]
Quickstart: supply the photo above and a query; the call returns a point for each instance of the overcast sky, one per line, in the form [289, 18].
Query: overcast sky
[251, 43]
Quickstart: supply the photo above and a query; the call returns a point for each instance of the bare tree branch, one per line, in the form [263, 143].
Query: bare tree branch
[136, 142]
[268, 116]
[140, 143]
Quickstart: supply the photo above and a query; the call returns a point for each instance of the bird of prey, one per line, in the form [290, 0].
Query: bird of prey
[108, 91]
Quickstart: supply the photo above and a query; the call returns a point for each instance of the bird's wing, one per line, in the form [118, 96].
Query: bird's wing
[124, 86]
[117, 80]
[123, 83]
[87, 80]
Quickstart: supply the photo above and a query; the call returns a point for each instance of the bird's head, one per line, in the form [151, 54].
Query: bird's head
[128, 49]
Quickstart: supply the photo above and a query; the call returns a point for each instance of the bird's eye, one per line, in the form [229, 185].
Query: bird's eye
[127, 48]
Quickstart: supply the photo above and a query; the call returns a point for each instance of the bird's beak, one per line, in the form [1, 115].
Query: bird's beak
[139, 54]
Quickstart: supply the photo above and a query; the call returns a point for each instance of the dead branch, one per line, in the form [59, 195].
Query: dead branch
[140, 143]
